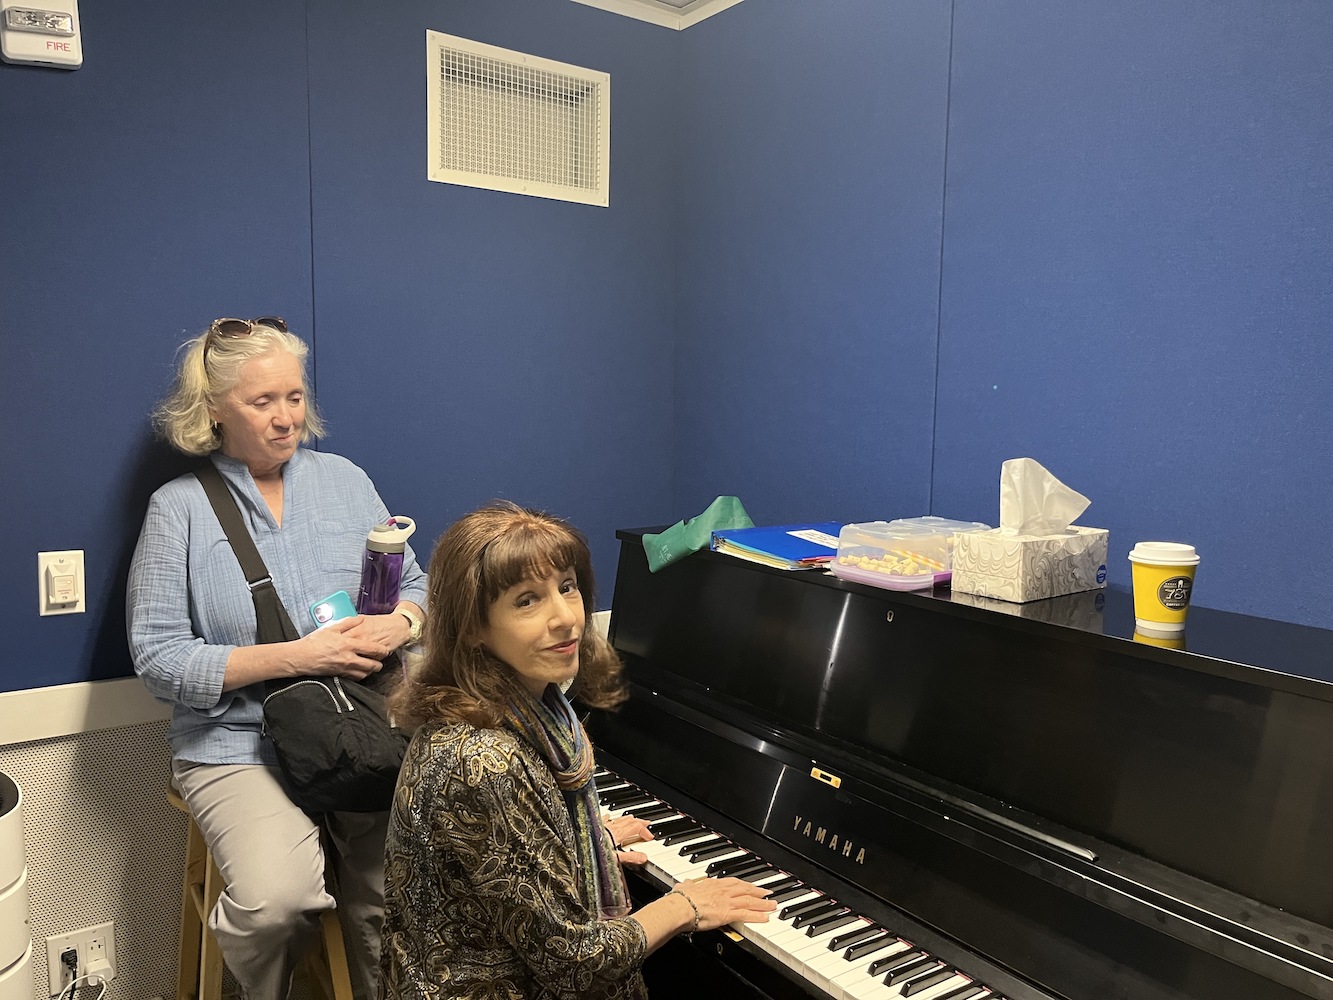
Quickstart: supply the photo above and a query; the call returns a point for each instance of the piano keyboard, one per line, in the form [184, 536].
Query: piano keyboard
[843, 953]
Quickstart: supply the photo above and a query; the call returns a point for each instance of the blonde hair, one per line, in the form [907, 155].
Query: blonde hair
[208, 369]
[477, 559]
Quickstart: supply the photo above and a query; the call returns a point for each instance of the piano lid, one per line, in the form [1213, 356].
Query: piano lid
[1215, 760]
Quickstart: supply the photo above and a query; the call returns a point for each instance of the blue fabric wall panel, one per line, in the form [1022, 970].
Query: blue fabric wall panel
[162, 183]
[477, 344]
[1136, 279]
[812, 164]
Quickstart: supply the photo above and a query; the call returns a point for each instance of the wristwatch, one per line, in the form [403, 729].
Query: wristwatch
[415, 623]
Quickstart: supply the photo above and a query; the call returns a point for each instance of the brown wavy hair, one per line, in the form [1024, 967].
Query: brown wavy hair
[477, 559]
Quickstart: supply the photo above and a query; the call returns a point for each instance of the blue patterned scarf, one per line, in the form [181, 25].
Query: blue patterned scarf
[550, 724]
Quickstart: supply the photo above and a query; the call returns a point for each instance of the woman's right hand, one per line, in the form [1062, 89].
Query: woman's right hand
[722, 901]
[331, 652]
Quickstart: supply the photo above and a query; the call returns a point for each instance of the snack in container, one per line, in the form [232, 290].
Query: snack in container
[905, 554]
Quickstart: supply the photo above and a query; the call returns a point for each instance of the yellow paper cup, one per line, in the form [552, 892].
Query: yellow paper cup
[1172, 640]
[1163, 574]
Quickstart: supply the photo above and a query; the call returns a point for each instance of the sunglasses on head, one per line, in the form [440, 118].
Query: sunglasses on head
[244, 327]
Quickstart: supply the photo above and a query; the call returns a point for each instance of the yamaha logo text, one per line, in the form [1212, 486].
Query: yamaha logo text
[827, 838]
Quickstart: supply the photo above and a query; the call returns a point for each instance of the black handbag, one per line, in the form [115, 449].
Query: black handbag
[337, 748]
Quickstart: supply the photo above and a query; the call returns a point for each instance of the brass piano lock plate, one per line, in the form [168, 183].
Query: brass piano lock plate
[829, 779]
[888, 615]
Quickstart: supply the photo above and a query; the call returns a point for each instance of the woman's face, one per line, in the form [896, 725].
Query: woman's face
[263, 415]
[535, 626]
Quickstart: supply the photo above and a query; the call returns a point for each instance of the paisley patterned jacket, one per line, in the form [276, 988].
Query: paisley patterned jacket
[481, 901]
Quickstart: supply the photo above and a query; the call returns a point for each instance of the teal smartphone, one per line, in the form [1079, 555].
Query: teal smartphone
[329, 609]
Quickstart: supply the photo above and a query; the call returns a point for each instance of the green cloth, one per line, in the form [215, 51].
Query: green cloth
[684, 537]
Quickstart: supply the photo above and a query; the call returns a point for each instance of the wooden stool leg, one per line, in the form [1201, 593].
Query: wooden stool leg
[191, 927]
[335, 955]
[210, 957]
[326, 965]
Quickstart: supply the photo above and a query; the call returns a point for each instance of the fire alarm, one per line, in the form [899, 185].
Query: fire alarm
[46, 35]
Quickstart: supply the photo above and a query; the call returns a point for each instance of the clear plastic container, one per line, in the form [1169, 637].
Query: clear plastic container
[906, 554]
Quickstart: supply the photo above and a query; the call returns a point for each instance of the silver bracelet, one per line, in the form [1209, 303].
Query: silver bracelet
[695, 927]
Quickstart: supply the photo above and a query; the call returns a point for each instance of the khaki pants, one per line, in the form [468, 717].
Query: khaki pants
[272, 863]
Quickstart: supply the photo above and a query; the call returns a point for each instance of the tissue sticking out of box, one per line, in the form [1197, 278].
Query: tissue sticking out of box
[1034, 502]
[1037, 552]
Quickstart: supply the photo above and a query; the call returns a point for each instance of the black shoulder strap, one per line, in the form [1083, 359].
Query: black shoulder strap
[272, 621]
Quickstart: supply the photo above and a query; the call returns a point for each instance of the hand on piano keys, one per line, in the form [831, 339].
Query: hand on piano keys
[626, 830]
[847, 955]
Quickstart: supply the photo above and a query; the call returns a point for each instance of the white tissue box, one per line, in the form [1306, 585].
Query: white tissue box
[1030, 567]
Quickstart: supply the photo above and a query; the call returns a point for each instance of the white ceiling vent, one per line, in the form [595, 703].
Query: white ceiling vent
[512, 122]
[671, 13]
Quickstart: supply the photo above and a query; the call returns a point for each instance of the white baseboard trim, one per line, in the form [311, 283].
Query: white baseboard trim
[66, 709]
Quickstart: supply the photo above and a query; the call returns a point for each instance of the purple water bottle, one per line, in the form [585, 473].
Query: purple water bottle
[382, 566]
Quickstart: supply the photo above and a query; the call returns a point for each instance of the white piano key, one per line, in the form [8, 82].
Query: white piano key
[831, 959]
[779, 930]
[700, 867]
[857, 983]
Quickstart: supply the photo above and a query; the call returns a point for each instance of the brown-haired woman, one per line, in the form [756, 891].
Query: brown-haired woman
[501, 880]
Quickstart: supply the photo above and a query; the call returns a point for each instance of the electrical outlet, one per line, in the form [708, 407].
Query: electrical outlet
[93, 944]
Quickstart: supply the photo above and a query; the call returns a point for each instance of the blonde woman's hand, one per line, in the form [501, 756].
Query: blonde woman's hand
[338, 650]
[380, 633]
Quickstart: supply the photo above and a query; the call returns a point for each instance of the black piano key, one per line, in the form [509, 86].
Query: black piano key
[676, 838]
[927, 981]
[796, 909]
[722, 869]
[701, 845]
[903, 973]
[782, 884]
[852, 937]
[810, 916]
[800, 889]
[754, 865]
[650, 813]
[870, 947]
[756, 874]
[712, 852]
[634, 800]
[625, 797]
[666, 827]
[830, 922]
[891, 962]
[966, 993]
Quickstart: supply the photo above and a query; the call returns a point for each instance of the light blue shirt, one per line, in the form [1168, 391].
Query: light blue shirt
[188, 605]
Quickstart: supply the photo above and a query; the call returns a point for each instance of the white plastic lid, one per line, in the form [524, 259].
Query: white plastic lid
[391, 537]
[1164, 554]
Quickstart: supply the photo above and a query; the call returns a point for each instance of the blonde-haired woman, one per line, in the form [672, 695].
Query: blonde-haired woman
[242, 400]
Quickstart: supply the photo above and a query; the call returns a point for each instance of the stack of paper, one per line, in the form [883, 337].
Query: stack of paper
[791, 546]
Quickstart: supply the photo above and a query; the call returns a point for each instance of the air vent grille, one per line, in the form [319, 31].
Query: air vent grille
[513, 122]
[678, 14]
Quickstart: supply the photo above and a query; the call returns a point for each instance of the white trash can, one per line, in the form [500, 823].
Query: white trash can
[15, 932]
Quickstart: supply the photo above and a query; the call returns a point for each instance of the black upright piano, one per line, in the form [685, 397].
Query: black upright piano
[964, 798]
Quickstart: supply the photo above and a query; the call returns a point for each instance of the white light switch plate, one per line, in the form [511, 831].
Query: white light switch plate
[60, 582]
